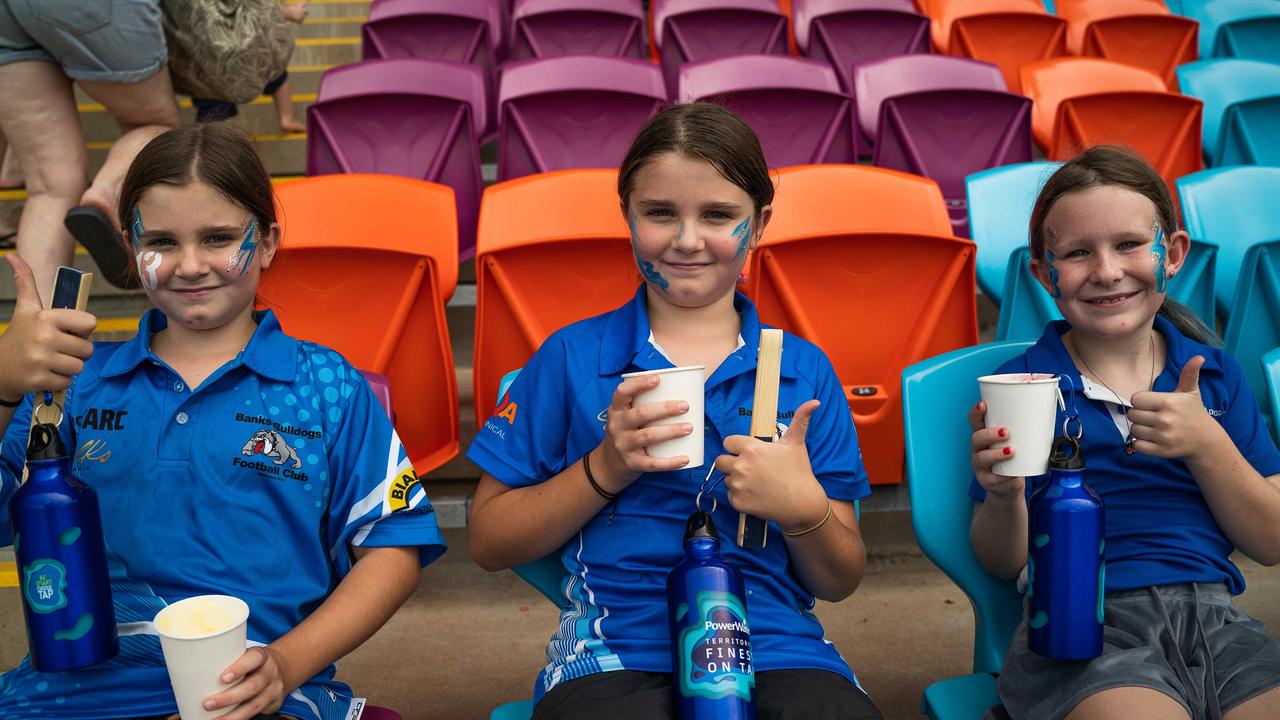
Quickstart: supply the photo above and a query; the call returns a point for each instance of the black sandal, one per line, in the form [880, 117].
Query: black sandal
[9, 240]
[94, 230]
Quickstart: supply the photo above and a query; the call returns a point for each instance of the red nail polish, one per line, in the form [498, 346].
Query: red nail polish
[1003, 432]
[1008, 451]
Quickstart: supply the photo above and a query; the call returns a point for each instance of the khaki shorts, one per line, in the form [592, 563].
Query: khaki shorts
[104, 40]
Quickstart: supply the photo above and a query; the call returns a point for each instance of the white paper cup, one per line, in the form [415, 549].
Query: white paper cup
[201, 636]
[682, 383]
[1026, 403]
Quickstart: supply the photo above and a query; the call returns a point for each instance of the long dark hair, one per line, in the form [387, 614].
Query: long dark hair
[1110, 165]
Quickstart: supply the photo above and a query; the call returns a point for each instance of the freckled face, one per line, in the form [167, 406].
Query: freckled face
[690, 229]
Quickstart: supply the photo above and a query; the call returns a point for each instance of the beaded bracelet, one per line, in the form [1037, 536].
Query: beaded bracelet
[811, 530]
[586, 465]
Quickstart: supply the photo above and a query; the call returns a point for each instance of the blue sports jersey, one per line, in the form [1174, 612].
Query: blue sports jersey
[617, 565]
[254, 484]
[1159, 529]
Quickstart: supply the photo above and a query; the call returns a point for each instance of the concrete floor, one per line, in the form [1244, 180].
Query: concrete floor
[469, 640]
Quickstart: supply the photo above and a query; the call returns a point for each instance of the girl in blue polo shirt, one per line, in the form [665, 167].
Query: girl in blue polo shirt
[228, 457]
[1173, 443]
[565, 469]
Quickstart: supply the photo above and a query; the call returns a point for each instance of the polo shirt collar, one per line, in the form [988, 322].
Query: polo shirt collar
[270, 352]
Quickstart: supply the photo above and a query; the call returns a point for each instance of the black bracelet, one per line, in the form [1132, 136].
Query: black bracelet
[12, 403]
[586, 465]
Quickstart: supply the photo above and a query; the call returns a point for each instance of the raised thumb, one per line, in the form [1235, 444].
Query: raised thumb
[799, 426]
[1189, 380]
[26, 295]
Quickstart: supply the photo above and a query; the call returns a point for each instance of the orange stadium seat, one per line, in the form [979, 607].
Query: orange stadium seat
[552, 249]
[365, 267]
[861, 261]
[1081, 102]
[1006, 33]
[1141, 33]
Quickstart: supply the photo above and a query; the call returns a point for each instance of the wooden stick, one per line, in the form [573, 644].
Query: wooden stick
[752, 531]
[70, 292]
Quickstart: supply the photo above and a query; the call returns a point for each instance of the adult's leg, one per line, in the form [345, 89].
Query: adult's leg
[1130, 703]
[10, 168]
[38, 117]
[1262, 707]
[281, 91]
[617, 695]
[808, 694]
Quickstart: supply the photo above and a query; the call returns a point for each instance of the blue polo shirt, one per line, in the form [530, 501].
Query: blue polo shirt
[618, 563]
[254, 484]
[1159, 529]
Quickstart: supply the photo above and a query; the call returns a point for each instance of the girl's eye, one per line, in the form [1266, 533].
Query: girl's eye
[1128, 245]
[1074, 254]
[220, 239]
[717, 215]
[159, 241]
[658, 212]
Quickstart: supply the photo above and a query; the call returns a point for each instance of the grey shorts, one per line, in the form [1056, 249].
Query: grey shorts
[1151, 639]
[107, 40]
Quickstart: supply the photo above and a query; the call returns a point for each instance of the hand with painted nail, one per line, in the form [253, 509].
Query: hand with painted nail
[626, 435]
[985, 456]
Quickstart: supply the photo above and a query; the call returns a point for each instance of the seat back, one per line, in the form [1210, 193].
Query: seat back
[1006, 33]
[372, 284]
[1141, 33]
[1271, 370]
[1080, 13]
[1253, 327]
[999, 204]
[381, 388]
[937, 395]
[844, 32]
[459, 30]
[570, 112]
[946, 135]
[1233, 208]
[857, 198]
[1236, 28]
[795, 106]
[691, 30]
[551, 28]
[1222, 84]
[414, 118]
[553, 249]
[878, 79]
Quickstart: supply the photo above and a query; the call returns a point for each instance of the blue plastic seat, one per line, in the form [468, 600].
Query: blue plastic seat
[1254, 327]
[1233, 208]
[1236, 28]
[1271, 369]
[1000, 202]
[1241, 109]
[937, 395]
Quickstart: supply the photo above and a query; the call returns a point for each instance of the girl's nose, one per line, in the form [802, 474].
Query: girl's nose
[191, 262]
[1107, 268]
[687, 238]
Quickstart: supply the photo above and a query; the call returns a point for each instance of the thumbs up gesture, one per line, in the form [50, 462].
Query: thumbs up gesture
[41, 349]
[774, 481]
[1173, 424]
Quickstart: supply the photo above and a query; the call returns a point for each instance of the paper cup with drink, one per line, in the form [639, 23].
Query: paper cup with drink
[1026, 404]
[201, 637]
[682, 383]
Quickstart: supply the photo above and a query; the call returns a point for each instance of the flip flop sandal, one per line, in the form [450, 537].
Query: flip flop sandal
[94, 230]
[9, 240]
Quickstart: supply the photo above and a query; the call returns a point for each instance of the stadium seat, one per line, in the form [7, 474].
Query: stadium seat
[1081, 102]
[550, 28]
[795, 105]
[1271, 368]
[381, 388]
[1236, 28]
[1253, 327]
[1141, 33]
[415, 118]
[573, 112]
[689, 30]
[373, 712]
[1233, 208]
[937, 394]
[845, 264]
[999, 204]
[553, 249]
[1241, 109]
[843, 32]
[366, 265]
[458, 30]
[1007, 33]
[943, 118]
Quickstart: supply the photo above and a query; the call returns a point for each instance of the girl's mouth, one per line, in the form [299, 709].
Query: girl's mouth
[1111, 300]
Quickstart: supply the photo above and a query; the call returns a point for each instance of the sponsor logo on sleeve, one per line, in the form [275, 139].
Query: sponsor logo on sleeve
[398, 494]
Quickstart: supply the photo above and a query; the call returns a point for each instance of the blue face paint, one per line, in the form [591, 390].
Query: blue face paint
[244, 255]
[1054, 290]
[650, 273]
[742, 234]
[137, 229]
[1158, 252]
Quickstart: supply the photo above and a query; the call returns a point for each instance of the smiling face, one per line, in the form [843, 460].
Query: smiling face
[1106, 260]
[691, 229]
[200, 255]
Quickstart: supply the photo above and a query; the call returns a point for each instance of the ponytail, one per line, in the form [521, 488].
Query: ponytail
[1188, 323]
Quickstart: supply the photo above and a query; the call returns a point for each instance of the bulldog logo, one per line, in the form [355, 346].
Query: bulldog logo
[271, 444]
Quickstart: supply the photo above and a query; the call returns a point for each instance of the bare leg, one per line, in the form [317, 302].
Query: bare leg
[284, 109]
[1130, 703]
[38, 117]
[10, 168]
[1263, 707]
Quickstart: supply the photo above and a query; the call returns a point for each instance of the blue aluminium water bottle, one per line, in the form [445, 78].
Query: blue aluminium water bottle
[710, 638]
[1065, 570]
[62, 561]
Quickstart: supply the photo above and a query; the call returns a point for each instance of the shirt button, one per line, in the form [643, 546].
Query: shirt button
[181, 418]
[177, 386]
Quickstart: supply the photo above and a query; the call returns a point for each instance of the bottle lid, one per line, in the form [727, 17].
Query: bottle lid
[1066, 454]
[45, 443]
[700, 526]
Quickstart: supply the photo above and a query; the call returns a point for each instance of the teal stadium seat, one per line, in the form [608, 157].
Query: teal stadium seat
[1236, 28]
[1254, 327]
[1233, 208]
[937, 395]
[1241, 109]
[1000, 202]
[1271, 367]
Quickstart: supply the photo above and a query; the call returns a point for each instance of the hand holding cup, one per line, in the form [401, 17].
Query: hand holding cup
[985, 455]
[635, 430]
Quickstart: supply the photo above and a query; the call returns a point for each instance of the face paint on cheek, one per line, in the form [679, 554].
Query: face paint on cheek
[647, 269]
[742, 234]
[1054, 290]
[137, 230]
[244, 254]
[148, 264]
[1158, 253]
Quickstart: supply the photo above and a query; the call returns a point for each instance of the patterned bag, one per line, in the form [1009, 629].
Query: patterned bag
[225, 49]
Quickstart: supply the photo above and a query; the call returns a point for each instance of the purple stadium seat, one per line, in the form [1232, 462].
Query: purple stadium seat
[843, 32]
[548, 28]
[576, 111]
[795, 105]
[689, 30]
[415, 118]
[944, 118]
[381, 388]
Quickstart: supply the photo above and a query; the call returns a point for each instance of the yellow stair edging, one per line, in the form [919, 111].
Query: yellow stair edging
[21, 193]
[112, 324]
[185, 103]
[8, 574]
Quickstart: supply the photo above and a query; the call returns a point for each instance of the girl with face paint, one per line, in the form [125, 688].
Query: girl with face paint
[228, 457]
[1173, 443]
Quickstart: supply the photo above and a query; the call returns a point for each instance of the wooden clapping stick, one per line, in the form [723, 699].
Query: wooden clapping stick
[70, 292]
[752, 531]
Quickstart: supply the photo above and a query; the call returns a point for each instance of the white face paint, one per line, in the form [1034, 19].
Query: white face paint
[148, 263]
